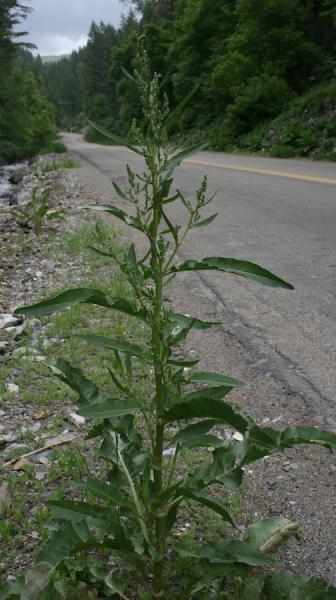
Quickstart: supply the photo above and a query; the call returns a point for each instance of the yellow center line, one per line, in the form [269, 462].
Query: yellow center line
[205, 163]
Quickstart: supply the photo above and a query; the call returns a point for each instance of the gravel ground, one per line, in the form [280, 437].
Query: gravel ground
[300, 485]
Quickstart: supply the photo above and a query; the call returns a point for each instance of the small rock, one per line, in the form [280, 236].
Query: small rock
[24, 351]
[43, 459]
[20, 464]
[40, 475]
[12, 388]
[238, 437]
[39, 415]
[169, 452]
[332, 468]
[3, 346]
[13, 447]
[10, 578]
[7, 439]
[39, 274]
[18, 176]
[2, 413]
[34, 324]
[77, 419]
[36, 427]
[6, 320]
[5, 498]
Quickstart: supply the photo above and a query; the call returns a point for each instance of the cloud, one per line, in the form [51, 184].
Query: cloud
[60, 26]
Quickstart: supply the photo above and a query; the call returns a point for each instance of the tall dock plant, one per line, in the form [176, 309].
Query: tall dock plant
[129, 515]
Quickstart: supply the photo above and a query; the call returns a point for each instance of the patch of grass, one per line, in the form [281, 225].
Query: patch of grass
[55, 147]
[64, 164]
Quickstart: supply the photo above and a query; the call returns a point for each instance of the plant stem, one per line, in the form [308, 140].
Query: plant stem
[159, 390]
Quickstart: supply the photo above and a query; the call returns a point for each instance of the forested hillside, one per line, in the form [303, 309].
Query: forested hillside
[248, 61]
[26, 117]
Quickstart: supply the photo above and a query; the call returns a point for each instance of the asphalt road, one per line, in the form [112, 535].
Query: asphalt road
[280, 214]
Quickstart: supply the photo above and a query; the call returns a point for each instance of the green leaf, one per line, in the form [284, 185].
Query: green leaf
[119, 213]
[307, 435]
[86, 389]
[268, 534]
[117, 139]
[115, 585]
[194, 322]
[216, 409]
[120, 192]
[228, 552]
[103, 490]
[211, 393]
[209, 501]
[205, 222]
[182, 363]
[286, 586]
[237, 267]
[193, 432]
[113, 408]
[81, 296]
[215, 379]
[77, 511]
[174, 161]
[103, 342]
[37, 580]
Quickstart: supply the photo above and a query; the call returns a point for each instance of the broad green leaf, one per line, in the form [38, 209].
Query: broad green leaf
[75, 378]
[8, 591]
[37, 580]
[307, 435]
[113, 408]
[115, 585]
[174, 161]
[77, 511]
[228, 552]
[285, 586]
[60, 546]
[81, 296]
[270, 533]
[203, 441]
[205, 222]
[215, 379]
[237, 267]
[119, 213]
[103, 490]
[211, 502]
[117, 139]
[193, 432]
[99, 341]
[120, 192]
[211, 393]
[215, 409]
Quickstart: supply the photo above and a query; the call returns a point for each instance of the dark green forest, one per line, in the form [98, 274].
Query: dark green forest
[26, 116]
[259, 75]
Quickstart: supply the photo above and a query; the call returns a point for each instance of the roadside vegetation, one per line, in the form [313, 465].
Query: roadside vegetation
[167, 450]
[26, 116]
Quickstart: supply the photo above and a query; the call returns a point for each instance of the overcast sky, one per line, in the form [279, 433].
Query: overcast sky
[60, 26]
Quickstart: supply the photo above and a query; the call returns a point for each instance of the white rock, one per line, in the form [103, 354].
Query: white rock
[7, 320]
[2, 413]
[77, 419]
[3, 346]
[169, 451]
[238, 437]
[12, 388]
